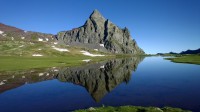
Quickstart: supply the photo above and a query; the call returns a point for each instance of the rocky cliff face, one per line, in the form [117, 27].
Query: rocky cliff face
[100, 33]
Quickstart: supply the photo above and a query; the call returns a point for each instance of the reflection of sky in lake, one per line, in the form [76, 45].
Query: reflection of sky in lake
[156, 82]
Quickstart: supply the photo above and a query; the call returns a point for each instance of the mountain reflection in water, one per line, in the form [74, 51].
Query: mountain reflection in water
[98, 78]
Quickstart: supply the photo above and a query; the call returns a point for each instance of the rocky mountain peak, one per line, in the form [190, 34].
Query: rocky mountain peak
[96, 14]
[96, 18]
[101, 34]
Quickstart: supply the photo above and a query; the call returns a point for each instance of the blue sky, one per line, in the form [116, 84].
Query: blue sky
[156, 25]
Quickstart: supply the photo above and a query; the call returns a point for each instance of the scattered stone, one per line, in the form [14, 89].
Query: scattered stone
[55, 70]
[21, 46]
[47, 74]
[96, 49]
[31, 43]
[60, 49]
[40, 39]
[1, 32]
[2, 83]
[4, 35]
[87, 60]
[37, 55]
[102, 66]
[102, 45]
[158, 109]
[40, 74]
[91, 109]
[89, 54]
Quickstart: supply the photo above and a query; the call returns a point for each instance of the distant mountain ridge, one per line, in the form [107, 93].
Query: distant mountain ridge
[191, 51]
[197, 51]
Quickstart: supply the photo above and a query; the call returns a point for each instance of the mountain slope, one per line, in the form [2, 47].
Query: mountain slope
[12, 33]
[100, 34]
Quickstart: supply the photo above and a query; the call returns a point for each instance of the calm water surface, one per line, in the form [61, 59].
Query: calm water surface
[135, 81]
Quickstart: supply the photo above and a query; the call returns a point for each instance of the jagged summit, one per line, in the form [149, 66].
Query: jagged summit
[96, 18]
[96, 14]
[100, 34]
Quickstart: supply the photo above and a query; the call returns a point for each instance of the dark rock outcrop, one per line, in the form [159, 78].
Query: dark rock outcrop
[100, 33]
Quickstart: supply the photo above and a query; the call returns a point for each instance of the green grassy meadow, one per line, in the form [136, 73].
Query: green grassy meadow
[132, 109]
[11, 63]
[17, 55]
[190, 59]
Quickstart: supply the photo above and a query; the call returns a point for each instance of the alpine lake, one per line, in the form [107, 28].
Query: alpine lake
[138, 81]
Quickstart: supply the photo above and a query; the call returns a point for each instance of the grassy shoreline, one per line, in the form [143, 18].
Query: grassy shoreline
[132, 109]
[189, 59]
[18, 55]
[16, 63]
